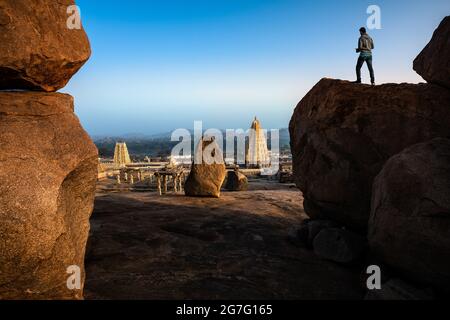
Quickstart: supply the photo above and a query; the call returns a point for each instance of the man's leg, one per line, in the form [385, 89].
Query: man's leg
[372, 73]
[358, 69]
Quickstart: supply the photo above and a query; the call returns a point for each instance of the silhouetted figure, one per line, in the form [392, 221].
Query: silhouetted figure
[365, 47]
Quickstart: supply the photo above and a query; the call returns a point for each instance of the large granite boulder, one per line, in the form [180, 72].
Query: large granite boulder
[206, 176]
[342, 134]
[38, 51]
[47, 185]
[409, 227]
[433, 63]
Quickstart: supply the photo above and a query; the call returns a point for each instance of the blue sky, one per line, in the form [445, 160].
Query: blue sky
[158, 65]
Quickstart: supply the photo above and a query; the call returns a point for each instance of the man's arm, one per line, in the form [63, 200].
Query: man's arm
[359, 45]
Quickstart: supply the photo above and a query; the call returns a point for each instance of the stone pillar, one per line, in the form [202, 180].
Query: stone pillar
[150, 180]
[158, 181]
[180, 180]
[164, 184]
[175, 183]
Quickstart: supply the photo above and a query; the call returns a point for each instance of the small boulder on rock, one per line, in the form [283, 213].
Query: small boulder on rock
[315, 226]
[236, 181]
[304, 235]
[339, 245]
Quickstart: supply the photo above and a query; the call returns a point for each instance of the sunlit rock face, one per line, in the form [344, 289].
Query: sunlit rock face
[47, 185]
[48, 162]
[342, 134]
[208, 171]
[41, 46]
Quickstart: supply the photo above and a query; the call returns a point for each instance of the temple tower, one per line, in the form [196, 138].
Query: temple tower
[257, 153]
[121, 155]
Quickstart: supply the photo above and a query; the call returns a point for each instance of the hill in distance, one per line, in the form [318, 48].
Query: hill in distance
[155, 145]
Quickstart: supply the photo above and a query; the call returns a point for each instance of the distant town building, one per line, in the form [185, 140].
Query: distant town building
[257, 153]
[121, 155]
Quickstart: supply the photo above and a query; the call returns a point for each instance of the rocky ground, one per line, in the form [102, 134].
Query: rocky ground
[143, 246]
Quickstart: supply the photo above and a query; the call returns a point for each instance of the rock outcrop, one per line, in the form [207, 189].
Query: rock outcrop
[48, 162]
[38, 51]
[377, 158]
[47, 186]
[410, 218]
[342, 134]
[206, 176]
[433, 63]
[236, 181]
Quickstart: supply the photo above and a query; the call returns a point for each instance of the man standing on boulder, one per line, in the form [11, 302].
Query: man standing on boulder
[365, 47]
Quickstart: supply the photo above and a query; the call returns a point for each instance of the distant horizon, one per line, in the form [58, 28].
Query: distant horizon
[164, 64]
[130, 135]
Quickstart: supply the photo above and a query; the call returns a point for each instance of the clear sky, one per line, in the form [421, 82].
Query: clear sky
[158, 65]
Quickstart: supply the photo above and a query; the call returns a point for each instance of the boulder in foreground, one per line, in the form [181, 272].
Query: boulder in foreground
[409, 227]
[38, 51]
[47, 186]
[342, 134]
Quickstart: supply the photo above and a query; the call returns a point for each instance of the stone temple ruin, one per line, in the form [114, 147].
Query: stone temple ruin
[121, 155]
[202, 180]
[257, 153]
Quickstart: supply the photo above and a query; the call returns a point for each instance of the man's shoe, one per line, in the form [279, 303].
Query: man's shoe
[373, 83]
[357, 81]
